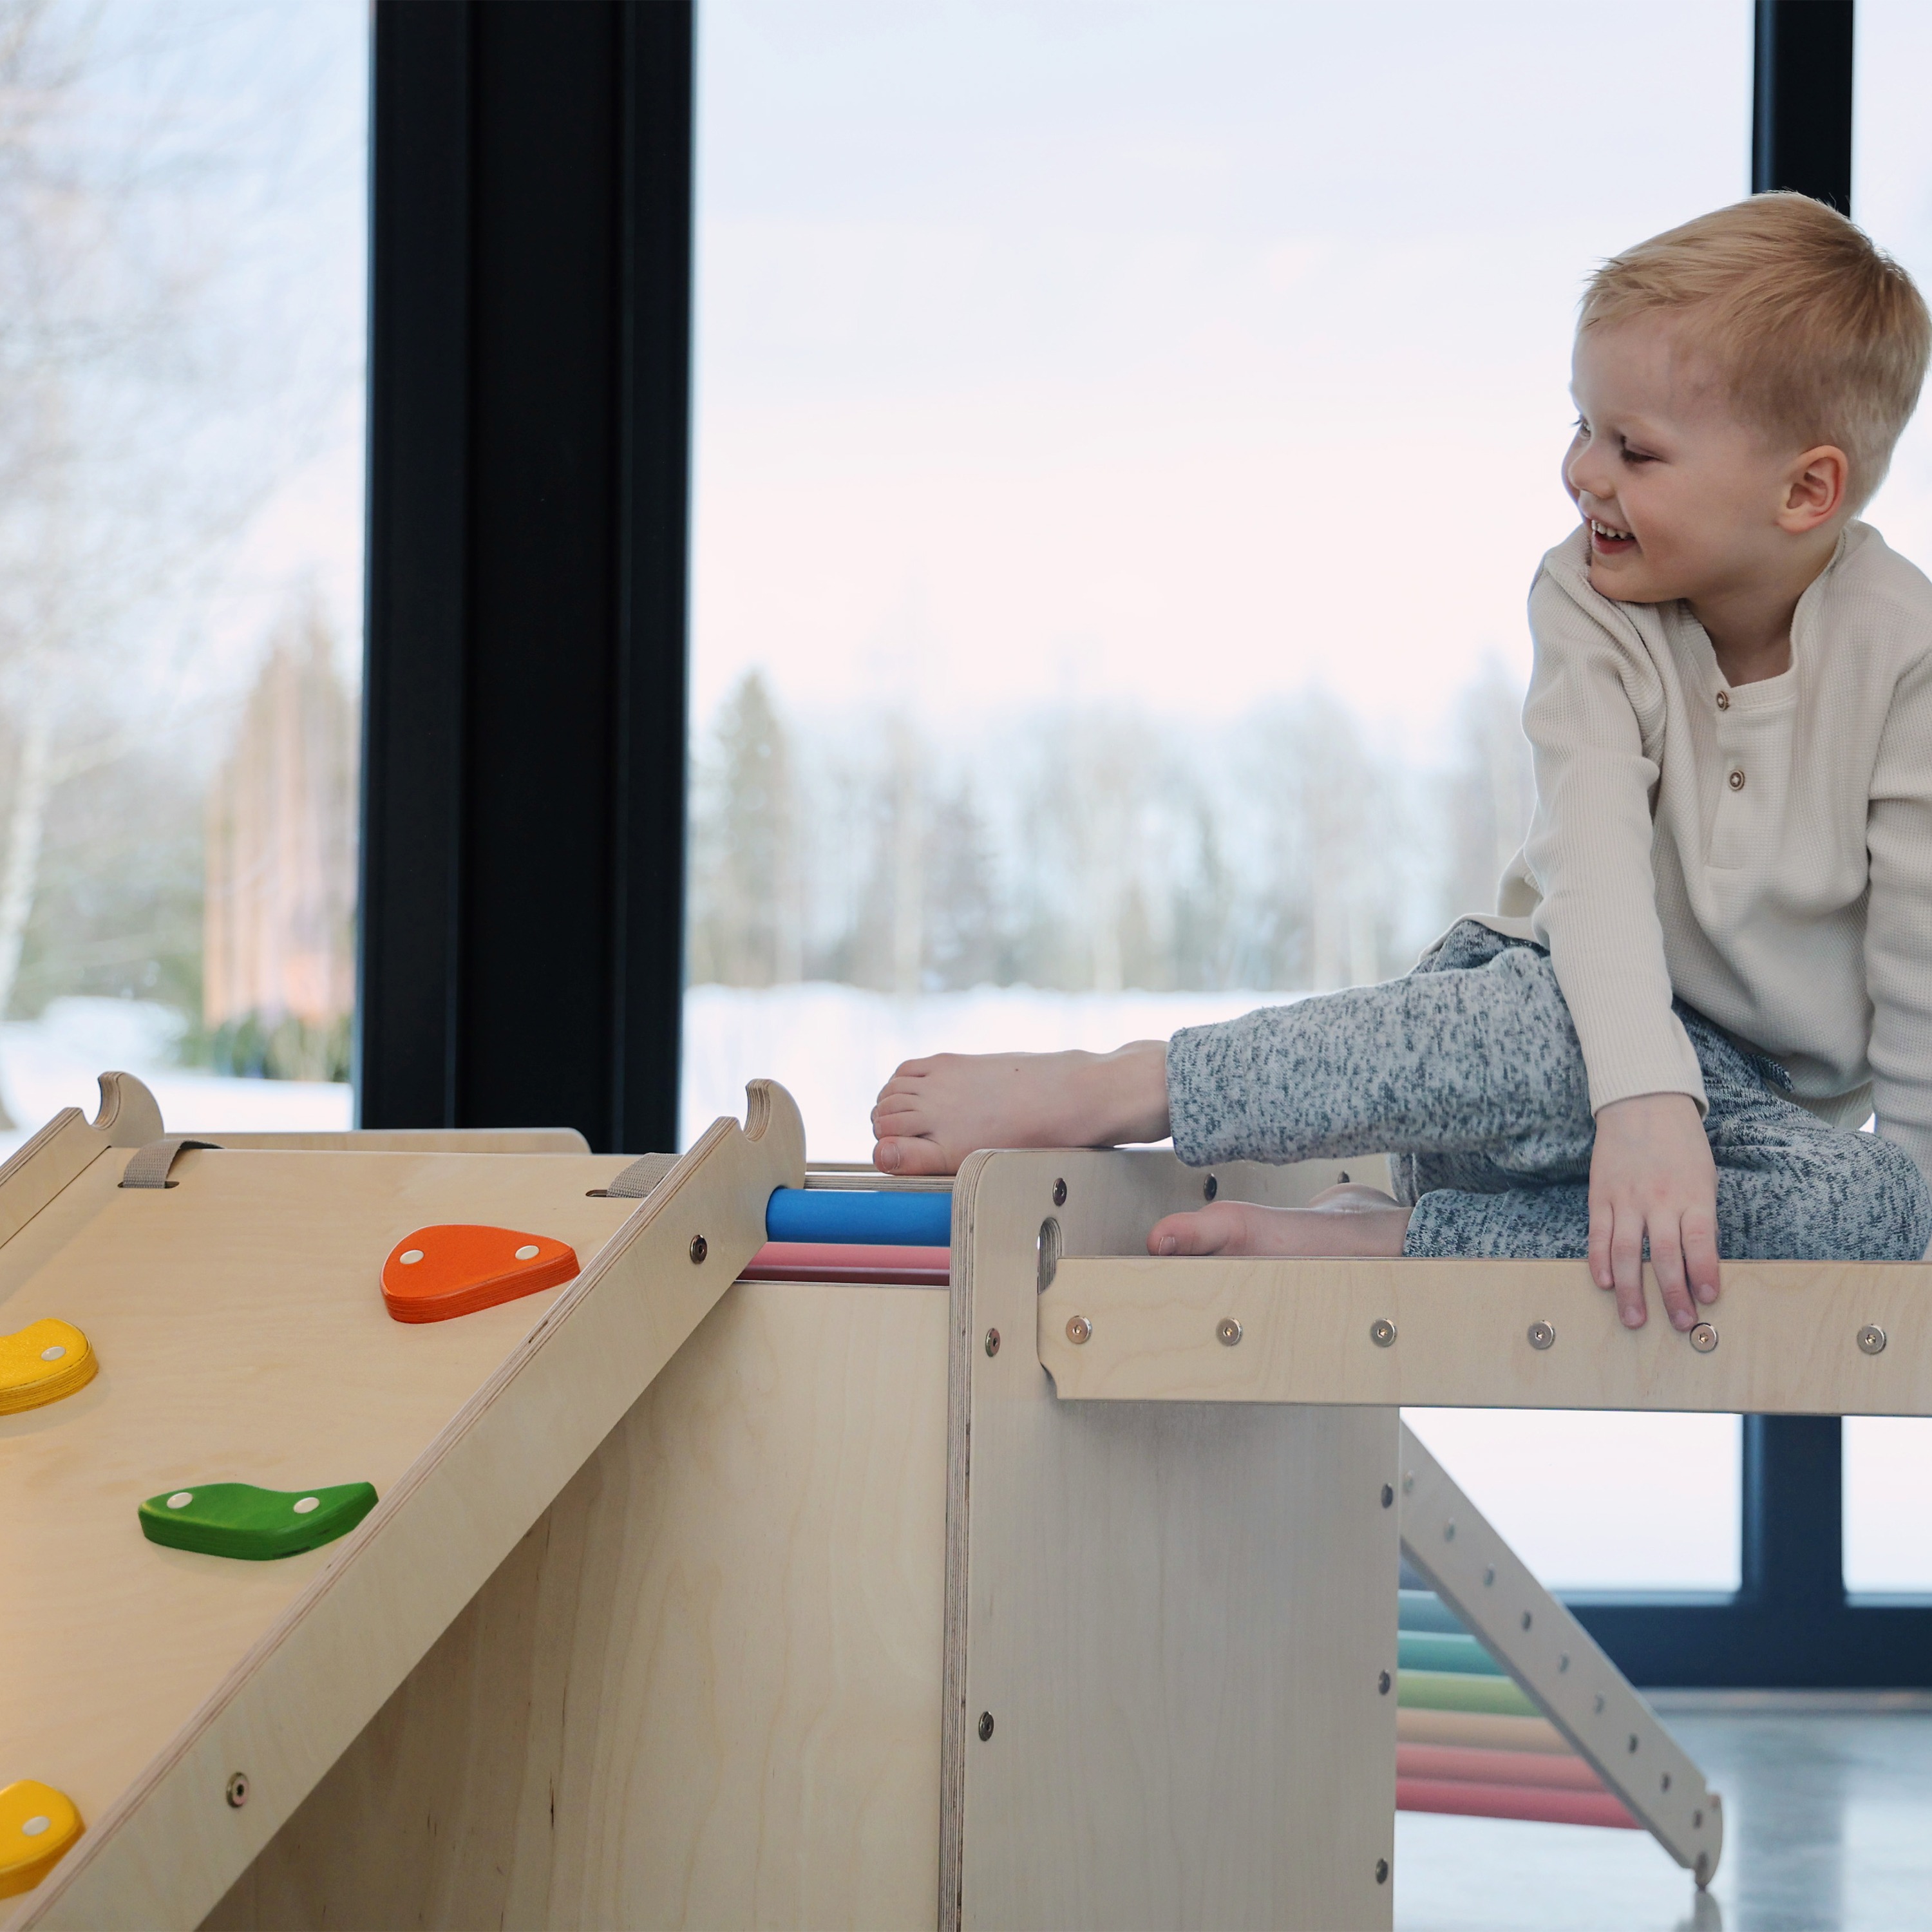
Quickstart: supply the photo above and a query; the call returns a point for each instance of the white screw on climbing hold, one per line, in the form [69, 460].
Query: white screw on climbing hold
[53, 1355]
[528, 1253]
[181, 1499]
[410, 1257]
[34, 1827]
[307, 1504]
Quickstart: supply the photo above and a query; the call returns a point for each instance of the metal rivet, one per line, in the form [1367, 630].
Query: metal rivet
[1724, 701]
[1448, 1532]
[700, 1247]
[1490, 1576]
[985, 1726]
[1563, 1663]
[237, 1789]
[1060, 1194]
[1737, 780]
[1079, 1329]
[1871, 1339]
[1388, 1496]
[1599, 1704]
[1382, 1871]
[1382, 1683]
[1210, 1188]
[1525, 1620]
[1382, 1333]
[1664, 1783]
[1541, 1335]
[1633, 1742]
[1229, 1332]
[992, 1341]
[1703, 1338]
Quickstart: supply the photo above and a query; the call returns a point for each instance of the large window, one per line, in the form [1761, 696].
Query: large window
[182, 323]
[1125, 436]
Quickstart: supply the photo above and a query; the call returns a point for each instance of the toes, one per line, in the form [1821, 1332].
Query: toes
[901, 1154]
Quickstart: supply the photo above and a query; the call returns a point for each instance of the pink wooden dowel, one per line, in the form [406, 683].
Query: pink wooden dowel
[824, 1261]
[1540, 1805]
[1543, 1769]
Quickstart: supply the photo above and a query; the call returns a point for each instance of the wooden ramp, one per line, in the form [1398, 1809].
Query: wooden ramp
[187, 1703]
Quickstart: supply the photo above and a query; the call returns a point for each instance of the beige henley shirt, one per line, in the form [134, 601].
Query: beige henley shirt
[1765, 851]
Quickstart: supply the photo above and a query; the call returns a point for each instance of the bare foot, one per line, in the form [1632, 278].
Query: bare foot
[1350, 1219]
[931, 1113]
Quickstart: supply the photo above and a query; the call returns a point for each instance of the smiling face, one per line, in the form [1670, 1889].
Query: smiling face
[1683, 499]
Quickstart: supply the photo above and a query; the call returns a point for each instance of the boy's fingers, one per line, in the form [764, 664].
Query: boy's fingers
[1700, 1255]
[1666, 1258]
[1626, 1266]
[1601, 1222]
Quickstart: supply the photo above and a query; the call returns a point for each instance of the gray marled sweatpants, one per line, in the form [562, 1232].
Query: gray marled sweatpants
[1469, 1071]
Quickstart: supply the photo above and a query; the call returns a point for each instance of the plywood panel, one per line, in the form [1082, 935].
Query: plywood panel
[237, 1321]
[704, 1690]
[1177, 1618]
[1786, 1337]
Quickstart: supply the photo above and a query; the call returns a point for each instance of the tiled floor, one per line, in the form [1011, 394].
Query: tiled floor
[1828, 1829]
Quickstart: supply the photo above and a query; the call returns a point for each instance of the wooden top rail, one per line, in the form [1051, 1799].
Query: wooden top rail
[1787, 1337]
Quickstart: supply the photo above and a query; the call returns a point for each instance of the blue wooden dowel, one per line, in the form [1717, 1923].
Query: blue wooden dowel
[850, 1215]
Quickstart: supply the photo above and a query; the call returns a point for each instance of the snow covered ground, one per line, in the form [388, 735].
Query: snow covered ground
[1589, 1500]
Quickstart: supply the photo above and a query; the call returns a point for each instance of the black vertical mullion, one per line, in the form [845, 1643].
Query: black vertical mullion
[1793, 1502]
[521, 942]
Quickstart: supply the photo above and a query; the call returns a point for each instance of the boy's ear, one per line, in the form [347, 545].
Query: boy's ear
[1815, 486]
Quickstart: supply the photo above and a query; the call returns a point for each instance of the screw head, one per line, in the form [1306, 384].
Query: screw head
[1060, 1194]
[1489, 1576]
[985, 1726]
[1210, 1188]
[700, 1247]
[1633, 1742]
[1382, 1683]
[1388, 1496]
[1525, 1620]
[1228, 1331]
[1703, 1338]
[1542, 1335]
[1871, 1339]
[1663, 1784]
[992, 1341]
[1382, 1871]
[238, 1789]
[1079, 1329]
[1563, 1663]
[1382, 1333]
[1448, 1532]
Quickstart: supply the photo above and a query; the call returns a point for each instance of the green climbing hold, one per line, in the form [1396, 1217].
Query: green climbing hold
[239, 1520]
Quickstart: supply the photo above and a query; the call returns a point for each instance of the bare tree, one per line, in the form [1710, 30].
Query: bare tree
[127, 464]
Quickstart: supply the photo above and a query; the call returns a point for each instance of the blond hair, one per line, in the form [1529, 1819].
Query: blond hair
[1820, 336]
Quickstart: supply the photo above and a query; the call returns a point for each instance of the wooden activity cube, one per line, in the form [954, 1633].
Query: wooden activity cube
[691, 1601]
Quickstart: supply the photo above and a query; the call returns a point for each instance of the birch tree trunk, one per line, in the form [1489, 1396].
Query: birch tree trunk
[26, 823]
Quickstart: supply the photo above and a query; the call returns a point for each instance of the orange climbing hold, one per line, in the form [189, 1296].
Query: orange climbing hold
[437, 1273]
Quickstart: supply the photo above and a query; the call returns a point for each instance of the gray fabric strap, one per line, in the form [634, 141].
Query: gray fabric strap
[642, 1176]
[149, 1167]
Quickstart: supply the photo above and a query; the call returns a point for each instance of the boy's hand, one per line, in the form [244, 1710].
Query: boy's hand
[1652, 1174]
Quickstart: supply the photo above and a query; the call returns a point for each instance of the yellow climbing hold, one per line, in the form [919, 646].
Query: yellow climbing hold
[46, 1361]
[38, 1824]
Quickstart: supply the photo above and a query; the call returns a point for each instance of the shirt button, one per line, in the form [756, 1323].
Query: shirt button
[1737, 780]
[1724, 701]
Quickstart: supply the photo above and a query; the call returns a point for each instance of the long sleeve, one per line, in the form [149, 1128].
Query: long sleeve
[1595, 713]
[1898, 919]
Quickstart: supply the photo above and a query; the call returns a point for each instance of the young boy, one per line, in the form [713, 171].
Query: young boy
[1713, 956]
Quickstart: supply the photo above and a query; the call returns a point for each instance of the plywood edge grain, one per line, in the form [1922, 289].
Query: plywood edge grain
[166, 1852]
[44, 1166]
[1785, 1337]
[406, 1140]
